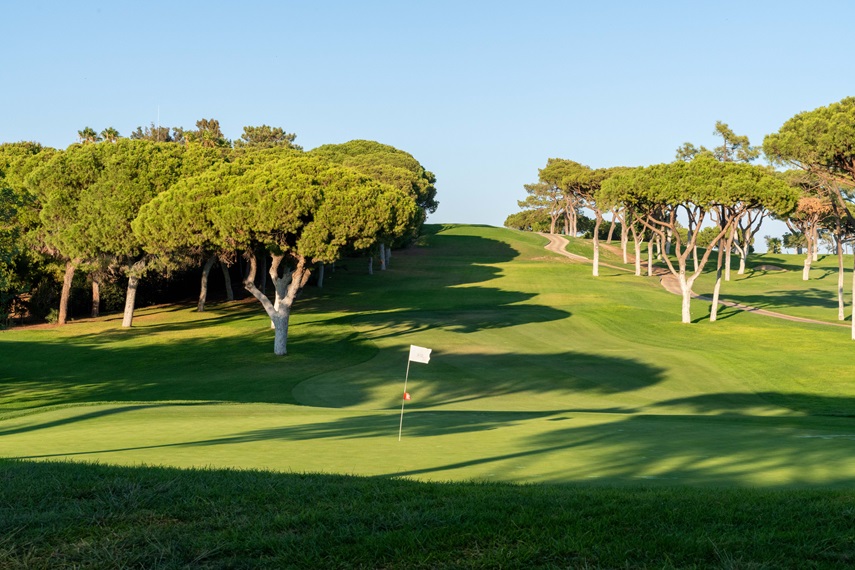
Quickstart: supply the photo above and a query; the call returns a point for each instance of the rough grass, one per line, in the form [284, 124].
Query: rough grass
[84, 516]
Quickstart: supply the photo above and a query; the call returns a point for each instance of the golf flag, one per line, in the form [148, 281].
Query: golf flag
[419, 354]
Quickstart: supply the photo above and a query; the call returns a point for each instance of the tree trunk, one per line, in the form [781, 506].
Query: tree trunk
[816, 243]
[370, 265]
[130, 302]
[599, 220]
[611, 230]
[230, 294]
[852, 317]
[637, 255]
[717, 288]
[70, 267]
[382, 257]
[321, 275]
[728, 245]
[286, 288]
[840, 282]
[624, 238]
[808, 258]
[131, 297]
[280, 335]
[203, 289]
[686, 291]
[388, 255]
[552, 222]
[650, 257]
[96, 298]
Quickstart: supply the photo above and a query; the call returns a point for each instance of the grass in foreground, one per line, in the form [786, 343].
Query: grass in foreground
[56, 515]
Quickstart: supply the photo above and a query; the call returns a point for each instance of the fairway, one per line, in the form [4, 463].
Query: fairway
[539, 373]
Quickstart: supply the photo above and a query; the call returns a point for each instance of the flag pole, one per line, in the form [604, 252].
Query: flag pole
[403, 400]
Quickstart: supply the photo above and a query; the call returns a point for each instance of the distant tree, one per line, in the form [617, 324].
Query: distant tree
[110, 135]
[207, 134]
[820, 142]
[154, 134]
[773, 244]
[534, 220]
[795, 240]
[265, 136]
[694, 190]
[88, 135]
[734, 148]
[543, 197]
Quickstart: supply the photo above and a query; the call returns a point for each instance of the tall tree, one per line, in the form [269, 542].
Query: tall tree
[207, 134]
[265, 136]
[88, 135]
[110, 135]
[301, 209]
[694, 190]
[21, 263]
[822, 143]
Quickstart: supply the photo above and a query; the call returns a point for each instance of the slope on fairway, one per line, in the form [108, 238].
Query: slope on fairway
[540, 372]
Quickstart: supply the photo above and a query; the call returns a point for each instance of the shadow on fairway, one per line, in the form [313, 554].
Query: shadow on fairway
[226, 353]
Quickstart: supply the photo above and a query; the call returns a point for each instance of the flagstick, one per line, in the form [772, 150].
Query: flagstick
[403, 401]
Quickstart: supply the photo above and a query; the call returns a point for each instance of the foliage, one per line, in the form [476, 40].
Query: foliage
[773, 244]
[530, 220]
[388, 165]
[266, 136]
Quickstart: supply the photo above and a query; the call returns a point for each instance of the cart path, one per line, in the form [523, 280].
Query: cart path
[558, 243]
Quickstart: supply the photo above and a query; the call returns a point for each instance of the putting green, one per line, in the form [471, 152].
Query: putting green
[540, 373]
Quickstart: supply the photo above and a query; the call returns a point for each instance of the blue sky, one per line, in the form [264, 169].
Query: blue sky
[481, 93]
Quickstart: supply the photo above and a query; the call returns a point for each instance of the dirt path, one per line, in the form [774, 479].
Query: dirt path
[558, 243]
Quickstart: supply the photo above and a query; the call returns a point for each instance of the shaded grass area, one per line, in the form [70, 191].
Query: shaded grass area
[57, 515]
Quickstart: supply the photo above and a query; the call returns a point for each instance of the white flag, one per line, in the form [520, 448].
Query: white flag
[419, 354]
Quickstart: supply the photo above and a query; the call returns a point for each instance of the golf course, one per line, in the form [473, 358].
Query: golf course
[540, 373]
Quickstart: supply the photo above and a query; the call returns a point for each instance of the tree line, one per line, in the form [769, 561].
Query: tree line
[167, 199]
[714, 200]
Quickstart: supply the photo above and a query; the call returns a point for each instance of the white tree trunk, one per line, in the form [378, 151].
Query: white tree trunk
[637, 256]
[203, 288]
[852, 318]
[280, 335]
[130, 302]
[650, 258]
[840, 283]
[321, 275]
[599, 220]
[286, 288]
[808, 258]
[134, 275]
[388, 255]
[370, 265]
[716, 289]
[70, 267]
[382, 257]
[624, 238]
[686, 291]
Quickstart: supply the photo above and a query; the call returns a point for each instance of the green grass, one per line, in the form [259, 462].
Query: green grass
[540, 374]
[79, 516]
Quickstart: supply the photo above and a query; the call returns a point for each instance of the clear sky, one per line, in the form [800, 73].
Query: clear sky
[481, 93]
